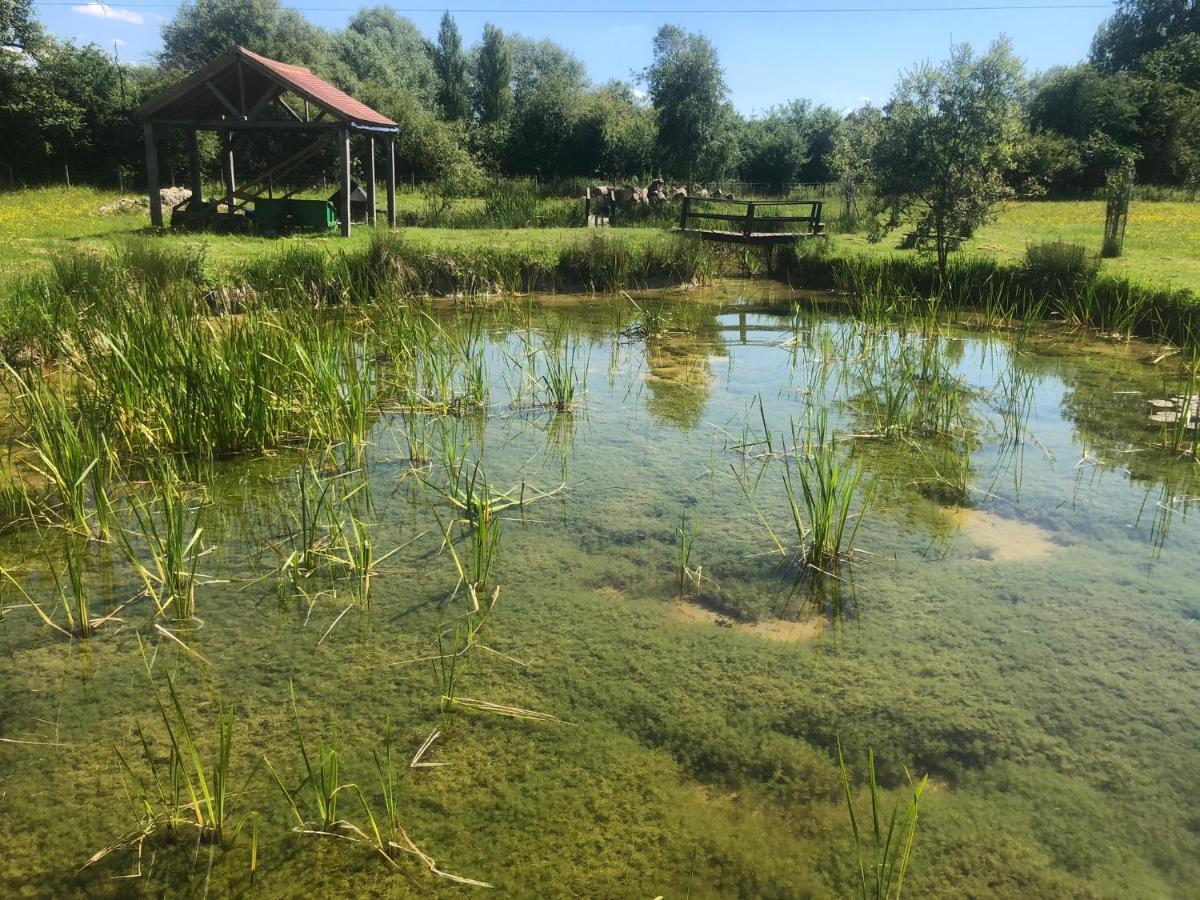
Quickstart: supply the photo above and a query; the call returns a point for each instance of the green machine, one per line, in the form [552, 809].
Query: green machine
[293, 215]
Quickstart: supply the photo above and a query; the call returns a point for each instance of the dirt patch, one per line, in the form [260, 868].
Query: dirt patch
[768, 629]
[1000, 539]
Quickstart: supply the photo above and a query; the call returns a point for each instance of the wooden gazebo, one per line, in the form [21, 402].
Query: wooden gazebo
[241, 93]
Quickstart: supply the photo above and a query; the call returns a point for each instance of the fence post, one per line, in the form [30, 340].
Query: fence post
[749, 229]
[683, 213]
[67, 173]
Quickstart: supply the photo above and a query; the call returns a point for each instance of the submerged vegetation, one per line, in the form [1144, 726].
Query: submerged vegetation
[335, 490]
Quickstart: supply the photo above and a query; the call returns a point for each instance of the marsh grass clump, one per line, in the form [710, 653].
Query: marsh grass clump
[321, 782]
[685, 534]
[1057, 266]
[158, 264]
[823, 487]
[168, 525]
[67, 563]
[67, 452]
[883, 853]
[187, 801]
[560, 377]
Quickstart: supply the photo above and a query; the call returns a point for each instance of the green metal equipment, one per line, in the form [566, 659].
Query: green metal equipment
[293, 215]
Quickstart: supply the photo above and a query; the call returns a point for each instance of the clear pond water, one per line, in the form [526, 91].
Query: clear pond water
[1021, 621]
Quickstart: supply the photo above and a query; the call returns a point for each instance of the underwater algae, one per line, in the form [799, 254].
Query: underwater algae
[1025, 633]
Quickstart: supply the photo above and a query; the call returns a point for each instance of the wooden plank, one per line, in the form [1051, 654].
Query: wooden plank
[391, 182]
[371, 182]
[230, 175]
[239, 125]
[233, 110]
[344, 173]
[194, 165]
[156, 215]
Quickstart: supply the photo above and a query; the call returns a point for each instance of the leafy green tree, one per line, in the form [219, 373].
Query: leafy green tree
[451, 66]
[853, 154]
[492, 77]
[202, 30]
[1140, 27]
[19, 27]
[379, 47]
[688, 90]
[946, 143]
[536, 63]
[614, 134]
[778, 145]
[548, 90]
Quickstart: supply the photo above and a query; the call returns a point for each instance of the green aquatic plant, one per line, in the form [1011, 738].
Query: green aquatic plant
[73, 590]
[169, 526]
[560, 379]
[191, 794]
[685, 534]
[71, 455]
[320, 777]
[830, 486]
[883, 863]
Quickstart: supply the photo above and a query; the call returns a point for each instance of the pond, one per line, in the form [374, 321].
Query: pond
[646, 694]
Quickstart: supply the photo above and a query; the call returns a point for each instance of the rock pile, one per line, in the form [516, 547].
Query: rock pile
[171, 197]
[657, 192]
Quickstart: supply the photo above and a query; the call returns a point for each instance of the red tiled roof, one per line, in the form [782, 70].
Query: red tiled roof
[324, 94]
[240, 77]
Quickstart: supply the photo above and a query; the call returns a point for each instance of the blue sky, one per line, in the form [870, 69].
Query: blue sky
[770, 55]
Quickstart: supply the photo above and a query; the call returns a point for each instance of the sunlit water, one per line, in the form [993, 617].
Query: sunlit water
[1021, 623]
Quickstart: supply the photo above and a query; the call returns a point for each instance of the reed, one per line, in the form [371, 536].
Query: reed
[685, 535]
[320, 777]
[560, 379]
[67, 564]
[830, 487]
[192, 794]
[385, 833]
[883, 862]
[171, 537]
[70, 455]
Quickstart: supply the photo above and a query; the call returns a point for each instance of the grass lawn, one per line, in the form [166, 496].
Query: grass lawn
[1162, 244]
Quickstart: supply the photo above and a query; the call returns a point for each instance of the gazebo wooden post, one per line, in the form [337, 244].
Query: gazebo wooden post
[391, 181]
[344, 173]
[194, 165]
[156, 215]
[230, 174]
[371, 181]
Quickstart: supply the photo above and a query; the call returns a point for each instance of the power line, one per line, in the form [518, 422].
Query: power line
[674, 11]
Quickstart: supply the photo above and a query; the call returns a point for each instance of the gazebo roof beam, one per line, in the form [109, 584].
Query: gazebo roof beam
[216, 92]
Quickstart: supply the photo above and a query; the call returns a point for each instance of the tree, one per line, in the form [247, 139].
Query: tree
[614, 133]
[19, 28]
[946, 141]
[688, 91]
[493, 77]
[1140, 27]
[548, 90]
[853, 153]
[451, 67]
[204, 29]
[535, 63]
[379, 47]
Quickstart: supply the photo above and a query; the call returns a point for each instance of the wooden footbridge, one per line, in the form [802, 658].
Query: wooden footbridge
[760, 223]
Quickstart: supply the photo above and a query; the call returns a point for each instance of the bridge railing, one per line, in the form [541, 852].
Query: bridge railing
[759, 216]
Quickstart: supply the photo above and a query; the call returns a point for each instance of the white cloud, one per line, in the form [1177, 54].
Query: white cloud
[119, 43]
[104, 11]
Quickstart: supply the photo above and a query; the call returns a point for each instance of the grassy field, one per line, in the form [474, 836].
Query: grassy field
[1162, 243]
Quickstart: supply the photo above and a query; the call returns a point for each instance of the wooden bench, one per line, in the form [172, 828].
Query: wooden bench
[764, 222]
